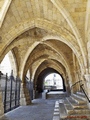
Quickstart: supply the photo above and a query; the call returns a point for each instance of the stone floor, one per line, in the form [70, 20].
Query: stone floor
[41, 109]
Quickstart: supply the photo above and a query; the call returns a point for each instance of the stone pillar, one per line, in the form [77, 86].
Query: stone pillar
[73, 88]
[77, 78]
[24, 96]
[1, 104]
[34, 94]
[67, 85]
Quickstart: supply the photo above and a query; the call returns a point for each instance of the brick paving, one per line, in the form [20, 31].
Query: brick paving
[41, 109]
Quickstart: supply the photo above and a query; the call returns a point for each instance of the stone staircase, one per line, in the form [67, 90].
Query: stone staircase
[56, 95]
[72, 108]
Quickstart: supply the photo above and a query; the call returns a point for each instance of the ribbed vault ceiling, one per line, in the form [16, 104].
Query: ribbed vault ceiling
[45, 33]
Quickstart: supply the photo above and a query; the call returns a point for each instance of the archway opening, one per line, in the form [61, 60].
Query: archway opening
[5, 66]
[8, 64]
[53, 81]
[42, 82]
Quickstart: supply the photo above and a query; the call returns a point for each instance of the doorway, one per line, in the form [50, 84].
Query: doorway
[49, 80]
[53, 82]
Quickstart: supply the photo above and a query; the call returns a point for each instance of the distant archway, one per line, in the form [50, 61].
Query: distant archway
[40, 84]
[53, 82]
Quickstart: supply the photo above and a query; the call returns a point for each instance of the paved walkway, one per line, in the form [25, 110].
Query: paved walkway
[39, 110]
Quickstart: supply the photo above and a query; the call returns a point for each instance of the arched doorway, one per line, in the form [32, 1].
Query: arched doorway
[41, 84]
[54, 82]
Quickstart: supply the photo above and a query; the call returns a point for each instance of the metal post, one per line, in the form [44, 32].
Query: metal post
[30, 88]
[19, 91]
[5, 97]
[16, 92]
[11, 78]
[0, 75]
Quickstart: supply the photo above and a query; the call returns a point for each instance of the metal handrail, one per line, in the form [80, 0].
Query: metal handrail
[84, 92]
[76, 83]
[82, 89]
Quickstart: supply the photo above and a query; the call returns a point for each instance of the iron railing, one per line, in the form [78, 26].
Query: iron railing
[81, 86]
[10, 88]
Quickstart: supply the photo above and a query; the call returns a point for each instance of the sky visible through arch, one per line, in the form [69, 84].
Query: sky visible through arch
[54, 79]
[5, 65]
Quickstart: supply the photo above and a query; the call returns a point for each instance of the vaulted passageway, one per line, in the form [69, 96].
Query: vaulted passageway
[46, 81]
[43, 37]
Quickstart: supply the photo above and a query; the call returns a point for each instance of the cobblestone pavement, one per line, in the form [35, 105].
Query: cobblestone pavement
[39, 110]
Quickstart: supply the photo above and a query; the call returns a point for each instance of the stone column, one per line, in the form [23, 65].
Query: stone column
[77, 78]
[34, 94]
[73, 88]
[24, 96]
[67, 85]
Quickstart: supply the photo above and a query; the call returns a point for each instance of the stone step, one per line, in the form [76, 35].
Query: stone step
[68, 107]
[57, 104]
[80, 93]
[82, 111]
[80, 96]
[72, 108]
[56, 115]
[67, 112]
[75, 105]
[62, 110]
[56, 95]
[77, 109]
[78, 100]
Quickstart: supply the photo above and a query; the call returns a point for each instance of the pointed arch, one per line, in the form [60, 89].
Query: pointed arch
[71, 23]
[3, 10]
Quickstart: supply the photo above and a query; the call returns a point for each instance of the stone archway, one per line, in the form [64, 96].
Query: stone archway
[9, 63]
[39, 84]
